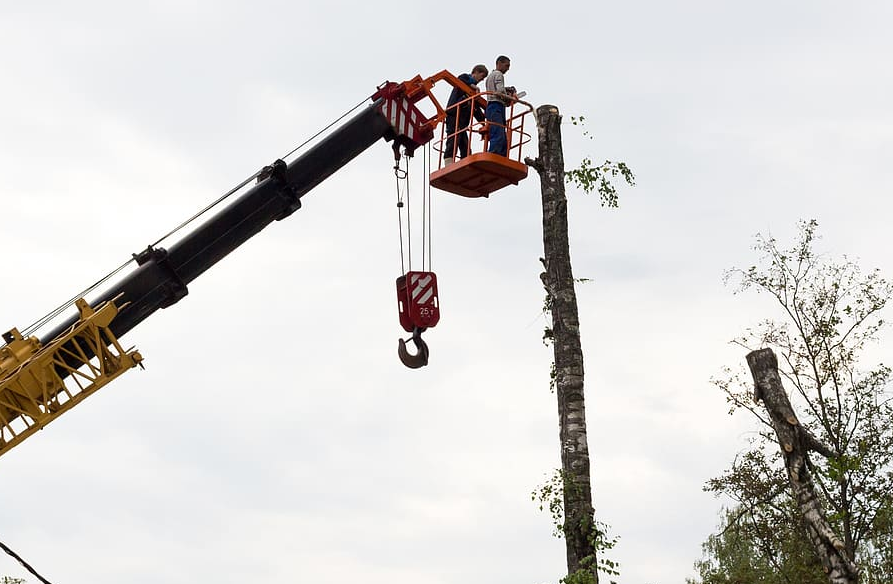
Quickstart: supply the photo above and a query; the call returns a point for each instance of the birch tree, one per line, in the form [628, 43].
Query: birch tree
[583, 535]
[843, 414]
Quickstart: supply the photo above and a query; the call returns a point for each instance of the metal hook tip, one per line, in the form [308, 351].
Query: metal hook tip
[420, 359]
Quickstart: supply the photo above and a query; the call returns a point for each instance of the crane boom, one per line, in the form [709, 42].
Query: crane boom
[163, 275]
[42, 378]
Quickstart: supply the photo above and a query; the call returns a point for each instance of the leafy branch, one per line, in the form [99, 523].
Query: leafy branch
[591, 177]
[550, 495]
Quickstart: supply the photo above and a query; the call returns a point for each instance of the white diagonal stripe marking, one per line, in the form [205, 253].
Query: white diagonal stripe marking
[421, 284]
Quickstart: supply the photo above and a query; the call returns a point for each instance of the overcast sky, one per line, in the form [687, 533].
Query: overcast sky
[274, 436]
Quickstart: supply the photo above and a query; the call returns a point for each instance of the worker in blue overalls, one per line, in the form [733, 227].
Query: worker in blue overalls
[498, 96]
[458, 115]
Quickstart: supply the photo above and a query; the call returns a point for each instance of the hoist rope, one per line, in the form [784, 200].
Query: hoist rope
[399, 175]
[24, 563]
[408, 217]
[425, 162]
[65, 306]
[430, 211]
[427, 208]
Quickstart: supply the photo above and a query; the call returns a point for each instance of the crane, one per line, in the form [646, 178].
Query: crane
[42, 378]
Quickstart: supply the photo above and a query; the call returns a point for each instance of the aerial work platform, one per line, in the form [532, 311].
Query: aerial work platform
[478, 175]
[482, 172]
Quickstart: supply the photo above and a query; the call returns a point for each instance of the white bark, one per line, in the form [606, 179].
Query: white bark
[796, 442]
[558, 280]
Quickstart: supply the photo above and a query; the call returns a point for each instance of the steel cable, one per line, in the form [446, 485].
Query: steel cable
[24, 563]
[68, 304]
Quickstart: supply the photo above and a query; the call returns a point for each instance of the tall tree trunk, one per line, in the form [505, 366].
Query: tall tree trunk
[558, 278]
[796, 442]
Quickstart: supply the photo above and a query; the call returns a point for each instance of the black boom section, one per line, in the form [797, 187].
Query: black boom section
[162, 275]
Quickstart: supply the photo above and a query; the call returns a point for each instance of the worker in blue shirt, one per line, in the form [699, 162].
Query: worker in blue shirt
[458, 116]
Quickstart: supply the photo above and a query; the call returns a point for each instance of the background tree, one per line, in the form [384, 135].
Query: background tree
[830, 312]
[769, 550]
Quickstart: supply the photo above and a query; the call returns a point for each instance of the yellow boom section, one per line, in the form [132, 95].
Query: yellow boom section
[38, 384]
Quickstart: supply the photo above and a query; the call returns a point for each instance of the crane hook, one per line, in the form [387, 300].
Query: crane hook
[420, 359]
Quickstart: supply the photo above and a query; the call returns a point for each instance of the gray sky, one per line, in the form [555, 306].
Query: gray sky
[274, 436]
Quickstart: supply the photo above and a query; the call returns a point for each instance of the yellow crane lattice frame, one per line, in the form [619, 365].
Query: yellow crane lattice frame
[39, 383]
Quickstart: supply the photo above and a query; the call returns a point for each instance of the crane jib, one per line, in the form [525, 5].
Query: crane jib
[160, 280]
[41, 378]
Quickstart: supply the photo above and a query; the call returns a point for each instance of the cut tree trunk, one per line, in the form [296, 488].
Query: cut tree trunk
[796, 442]
[558, 279]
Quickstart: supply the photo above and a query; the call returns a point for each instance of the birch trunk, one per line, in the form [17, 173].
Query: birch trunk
[796, 442]
[558, 279]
